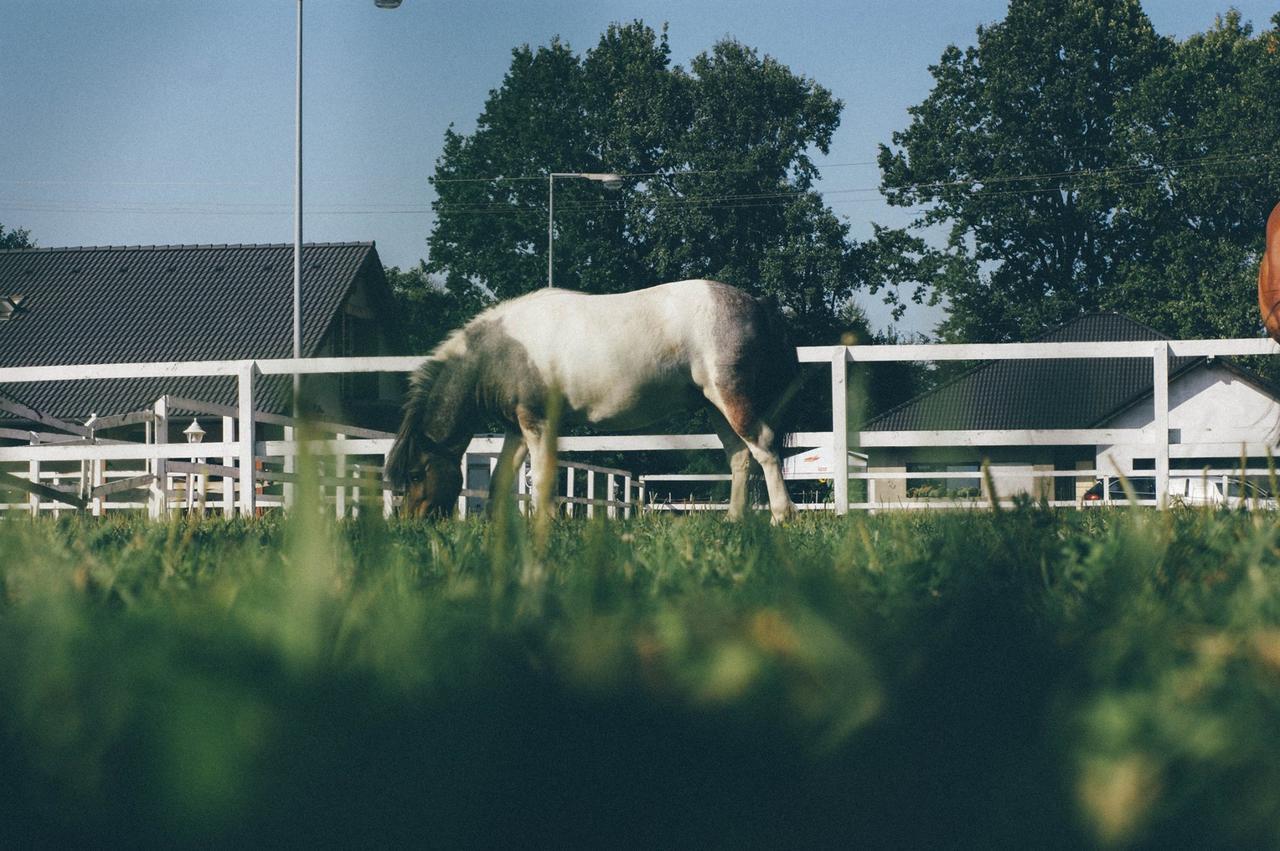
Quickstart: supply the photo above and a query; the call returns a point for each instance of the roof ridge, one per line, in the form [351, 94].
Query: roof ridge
[187, 247]
[982, 365]
[1102, 313]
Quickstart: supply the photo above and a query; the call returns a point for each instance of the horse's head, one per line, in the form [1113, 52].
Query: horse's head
[425, 460]
[432, 486]
[427, 474]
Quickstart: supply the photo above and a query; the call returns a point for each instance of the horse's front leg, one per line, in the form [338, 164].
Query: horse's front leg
[510, 459]
[542, 460]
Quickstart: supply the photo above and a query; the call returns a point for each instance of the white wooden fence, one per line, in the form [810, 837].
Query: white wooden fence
[239, 460]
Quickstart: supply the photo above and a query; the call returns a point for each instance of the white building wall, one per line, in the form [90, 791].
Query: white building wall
[1210, 404]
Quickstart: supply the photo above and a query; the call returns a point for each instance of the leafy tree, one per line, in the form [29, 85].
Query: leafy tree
[1204, 174]
[429, 310]
[719, 179]
[19, 238]
[1014, 153]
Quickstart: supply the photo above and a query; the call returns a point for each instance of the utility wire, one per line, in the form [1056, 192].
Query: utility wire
[1147, 173]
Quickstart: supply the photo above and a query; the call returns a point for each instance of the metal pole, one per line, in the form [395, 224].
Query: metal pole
[551, 218]
[297, 217]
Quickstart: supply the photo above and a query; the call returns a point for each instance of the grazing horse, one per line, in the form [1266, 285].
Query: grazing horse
[616, 362]
[1269, 277]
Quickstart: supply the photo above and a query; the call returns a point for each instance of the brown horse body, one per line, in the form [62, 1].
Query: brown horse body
[1269, 277]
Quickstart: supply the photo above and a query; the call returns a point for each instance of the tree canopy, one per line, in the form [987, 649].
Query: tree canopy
[718, 177]
[1078, 161]
[18, 238]
[1013, 153]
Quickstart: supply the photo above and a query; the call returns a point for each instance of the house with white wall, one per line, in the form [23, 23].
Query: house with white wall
[1215, 405]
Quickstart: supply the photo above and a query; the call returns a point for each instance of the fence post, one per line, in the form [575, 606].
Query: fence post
[626, 497]
[97, 478]
[591, 494]
[466, 484]
[158, 505]
[248, 502]
[228, 483]
[1160, 399]
[840, 428]
[388, 498]
[642, 495]
[33, 473]
[610, 496]
[290, 465]
[340, 491]
[568, 492]
[522, 488]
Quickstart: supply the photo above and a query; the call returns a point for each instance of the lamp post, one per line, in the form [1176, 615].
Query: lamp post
[194, 434]
[610, 181]
[297, 202]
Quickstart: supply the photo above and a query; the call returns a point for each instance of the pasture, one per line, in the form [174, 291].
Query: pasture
[1029, 677]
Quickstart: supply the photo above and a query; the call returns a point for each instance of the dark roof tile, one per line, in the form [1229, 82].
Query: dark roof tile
[1040, 394]
[119, 304]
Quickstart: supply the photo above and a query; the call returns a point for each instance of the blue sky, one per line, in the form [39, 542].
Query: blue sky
[171, 121]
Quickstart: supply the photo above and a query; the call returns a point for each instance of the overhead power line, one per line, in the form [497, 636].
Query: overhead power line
[1213, 166]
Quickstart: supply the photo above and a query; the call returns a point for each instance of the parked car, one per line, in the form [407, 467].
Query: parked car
[1186, 490]
[1144, 488]
[1208, 490]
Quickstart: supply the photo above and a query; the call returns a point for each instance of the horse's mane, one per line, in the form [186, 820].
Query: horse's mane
[412, 440]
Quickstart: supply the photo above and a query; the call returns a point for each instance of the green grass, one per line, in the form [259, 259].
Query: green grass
[1028, 678]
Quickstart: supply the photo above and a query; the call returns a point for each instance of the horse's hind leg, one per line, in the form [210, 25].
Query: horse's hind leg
[761, 444]
[739, 463]
[761, 440]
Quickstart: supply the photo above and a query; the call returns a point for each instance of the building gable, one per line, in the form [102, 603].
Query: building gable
[124, 304]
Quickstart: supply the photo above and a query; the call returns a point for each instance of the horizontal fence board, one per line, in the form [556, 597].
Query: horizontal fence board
[1004, 437]
[1037, 351]
[201, 469]
[18, 483]
[132, 483]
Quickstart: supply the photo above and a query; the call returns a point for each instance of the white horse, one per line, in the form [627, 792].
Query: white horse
[617, 362]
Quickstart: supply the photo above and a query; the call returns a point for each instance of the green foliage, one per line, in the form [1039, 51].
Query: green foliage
[429, 312]
[1024, 678]
[1078, 161]
[719, 187]
[17, 238]
[1199, 131]
[1007, 152]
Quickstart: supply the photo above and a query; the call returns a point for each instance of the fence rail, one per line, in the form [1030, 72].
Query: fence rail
[243, 463]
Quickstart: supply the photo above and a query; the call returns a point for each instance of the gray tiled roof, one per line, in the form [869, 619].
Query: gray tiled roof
[116, 304]
[1040, 394]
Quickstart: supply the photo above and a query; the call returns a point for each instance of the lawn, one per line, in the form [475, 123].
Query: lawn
[1030, 678]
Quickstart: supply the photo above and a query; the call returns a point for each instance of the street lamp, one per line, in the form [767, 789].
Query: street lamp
[297, 203]
[194, 434]
[610, 181]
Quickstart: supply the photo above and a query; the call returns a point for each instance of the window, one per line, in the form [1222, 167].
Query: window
[925, 487]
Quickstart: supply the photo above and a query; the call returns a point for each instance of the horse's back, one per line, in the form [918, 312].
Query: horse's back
[681, 311]
[613, 355]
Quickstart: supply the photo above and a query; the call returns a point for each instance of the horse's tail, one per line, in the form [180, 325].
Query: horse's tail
[779, 377]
